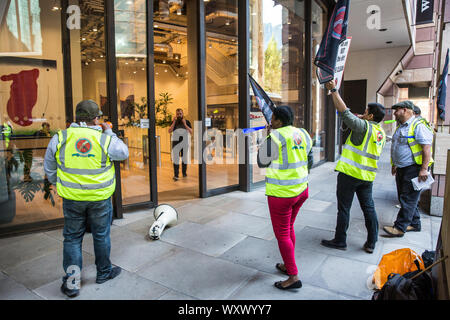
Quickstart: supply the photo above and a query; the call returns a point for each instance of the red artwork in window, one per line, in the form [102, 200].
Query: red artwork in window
[23, 96]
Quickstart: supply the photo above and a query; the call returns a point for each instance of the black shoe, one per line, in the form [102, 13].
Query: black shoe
[333, 244]
[71, 293]
[175, 178]
[115, 271]
[184, 175]
[296, 285]
[368, 248]
[278, 266]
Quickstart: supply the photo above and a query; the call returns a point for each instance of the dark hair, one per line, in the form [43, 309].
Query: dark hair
[417, 110]
[284, 114]
[377, 110]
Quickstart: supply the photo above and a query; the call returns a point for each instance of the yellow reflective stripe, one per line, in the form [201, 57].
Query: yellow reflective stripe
[294, 165]
[95, 186]
[291, 182]
[357, 165]
[360, 152]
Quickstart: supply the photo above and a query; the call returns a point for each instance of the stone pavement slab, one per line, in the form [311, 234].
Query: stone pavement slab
[37, 272]
[202, 238]
[197, 275]
[334, 269]
[261, 287]
[26, 248]
[12, 290]
[126, 286]
[245, 224]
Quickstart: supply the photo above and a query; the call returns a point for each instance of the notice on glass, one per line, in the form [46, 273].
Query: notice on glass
[145, 123]
[340, 61]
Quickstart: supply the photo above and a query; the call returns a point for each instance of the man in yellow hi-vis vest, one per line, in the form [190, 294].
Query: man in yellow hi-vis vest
[411, 157]
[357, 168]
[79, 160]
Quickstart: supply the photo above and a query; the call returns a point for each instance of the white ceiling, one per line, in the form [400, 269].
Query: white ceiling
[392, 17]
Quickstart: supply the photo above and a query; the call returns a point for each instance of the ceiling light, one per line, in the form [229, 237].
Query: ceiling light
[156, 26]
[101, 56]
[134, 72]
[129, 2]
[227, 23]
[86, 63]
[156, 73]
[135, 59]
[143, 69]
[95, 29]
[388, 42]
[83, 39]
[383, 29]
[93, 59]
[186, 72]
[164, 61]
[126, 62]
[55, 8]
[165, 70]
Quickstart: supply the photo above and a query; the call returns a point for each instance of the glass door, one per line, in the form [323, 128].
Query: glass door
[132, 100]
[222, 116]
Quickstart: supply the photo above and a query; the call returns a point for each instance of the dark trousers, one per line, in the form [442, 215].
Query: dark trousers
[408, 215]
[176, 166]
[347, 186]
[77, 214]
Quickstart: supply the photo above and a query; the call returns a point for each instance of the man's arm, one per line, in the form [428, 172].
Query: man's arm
[187, 126]
[426, 157]
[425, 138]
[50, 164]
[117, 149]
[172, 126]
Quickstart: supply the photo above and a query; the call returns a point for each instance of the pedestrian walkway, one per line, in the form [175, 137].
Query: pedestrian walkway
[223, 247]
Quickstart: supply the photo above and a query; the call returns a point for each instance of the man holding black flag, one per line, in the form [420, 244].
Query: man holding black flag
[357, 169]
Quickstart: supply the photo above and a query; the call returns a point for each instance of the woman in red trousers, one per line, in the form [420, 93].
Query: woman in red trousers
[286, 155]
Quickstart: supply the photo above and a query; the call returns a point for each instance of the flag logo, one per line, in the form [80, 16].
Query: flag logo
[338, 23]
[297, 140]
[83, 145]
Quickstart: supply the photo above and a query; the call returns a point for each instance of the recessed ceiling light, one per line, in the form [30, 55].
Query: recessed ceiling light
[126, 62]
[382, 29]
[95, 29]
[227, 23]
[388, 42]
[165, 70]
[134, 72]
[83, 39]
[143, 69]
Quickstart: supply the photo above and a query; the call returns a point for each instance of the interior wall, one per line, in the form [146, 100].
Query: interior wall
[373, 65]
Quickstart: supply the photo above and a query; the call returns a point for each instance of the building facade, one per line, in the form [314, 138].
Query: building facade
[140, 60]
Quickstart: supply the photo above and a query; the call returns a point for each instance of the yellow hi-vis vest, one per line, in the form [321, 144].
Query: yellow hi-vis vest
[84, 170]
[415, 147]
[361, 162]
[287, 176]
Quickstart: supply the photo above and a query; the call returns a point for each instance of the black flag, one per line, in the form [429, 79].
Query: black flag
[442, 92]
[336, 33]
[265, 104]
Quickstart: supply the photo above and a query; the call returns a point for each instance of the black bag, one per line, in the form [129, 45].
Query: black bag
[400, 287]
[428, 258]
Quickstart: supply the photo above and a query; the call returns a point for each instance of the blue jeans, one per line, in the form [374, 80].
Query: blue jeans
[408, 215]
[347, 186]
[99, 216]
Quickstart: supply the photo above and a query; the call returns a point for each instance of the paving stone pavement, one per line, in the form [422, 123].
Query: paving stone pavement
[223, 247]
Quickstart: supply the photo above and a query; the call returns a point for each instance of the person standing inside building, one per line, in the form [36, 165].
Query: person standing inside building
[180, 122]
[410, 158]
[284, 154]
[357, 169]
[79, 160]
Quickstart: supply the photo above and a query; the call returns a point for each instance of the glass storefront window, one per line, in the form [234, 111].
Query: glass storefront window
[277, 62]
[318, 130]
[222, 114]
[32, 109]
[131, 62]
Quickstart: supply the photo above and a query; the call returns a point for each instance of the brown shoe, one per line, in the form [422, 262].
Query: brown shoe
[393, 231]
[411, 228]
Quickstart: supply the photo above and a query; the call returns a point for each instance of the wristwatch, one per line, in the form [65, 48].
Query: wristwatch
[333, 90]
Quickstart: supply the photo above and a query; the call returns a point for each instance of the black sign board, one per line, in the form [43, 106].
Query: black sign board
[424, 11]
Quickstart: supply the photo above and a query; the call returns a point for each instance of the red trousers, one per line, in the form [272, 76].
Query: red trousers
[283, 212]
